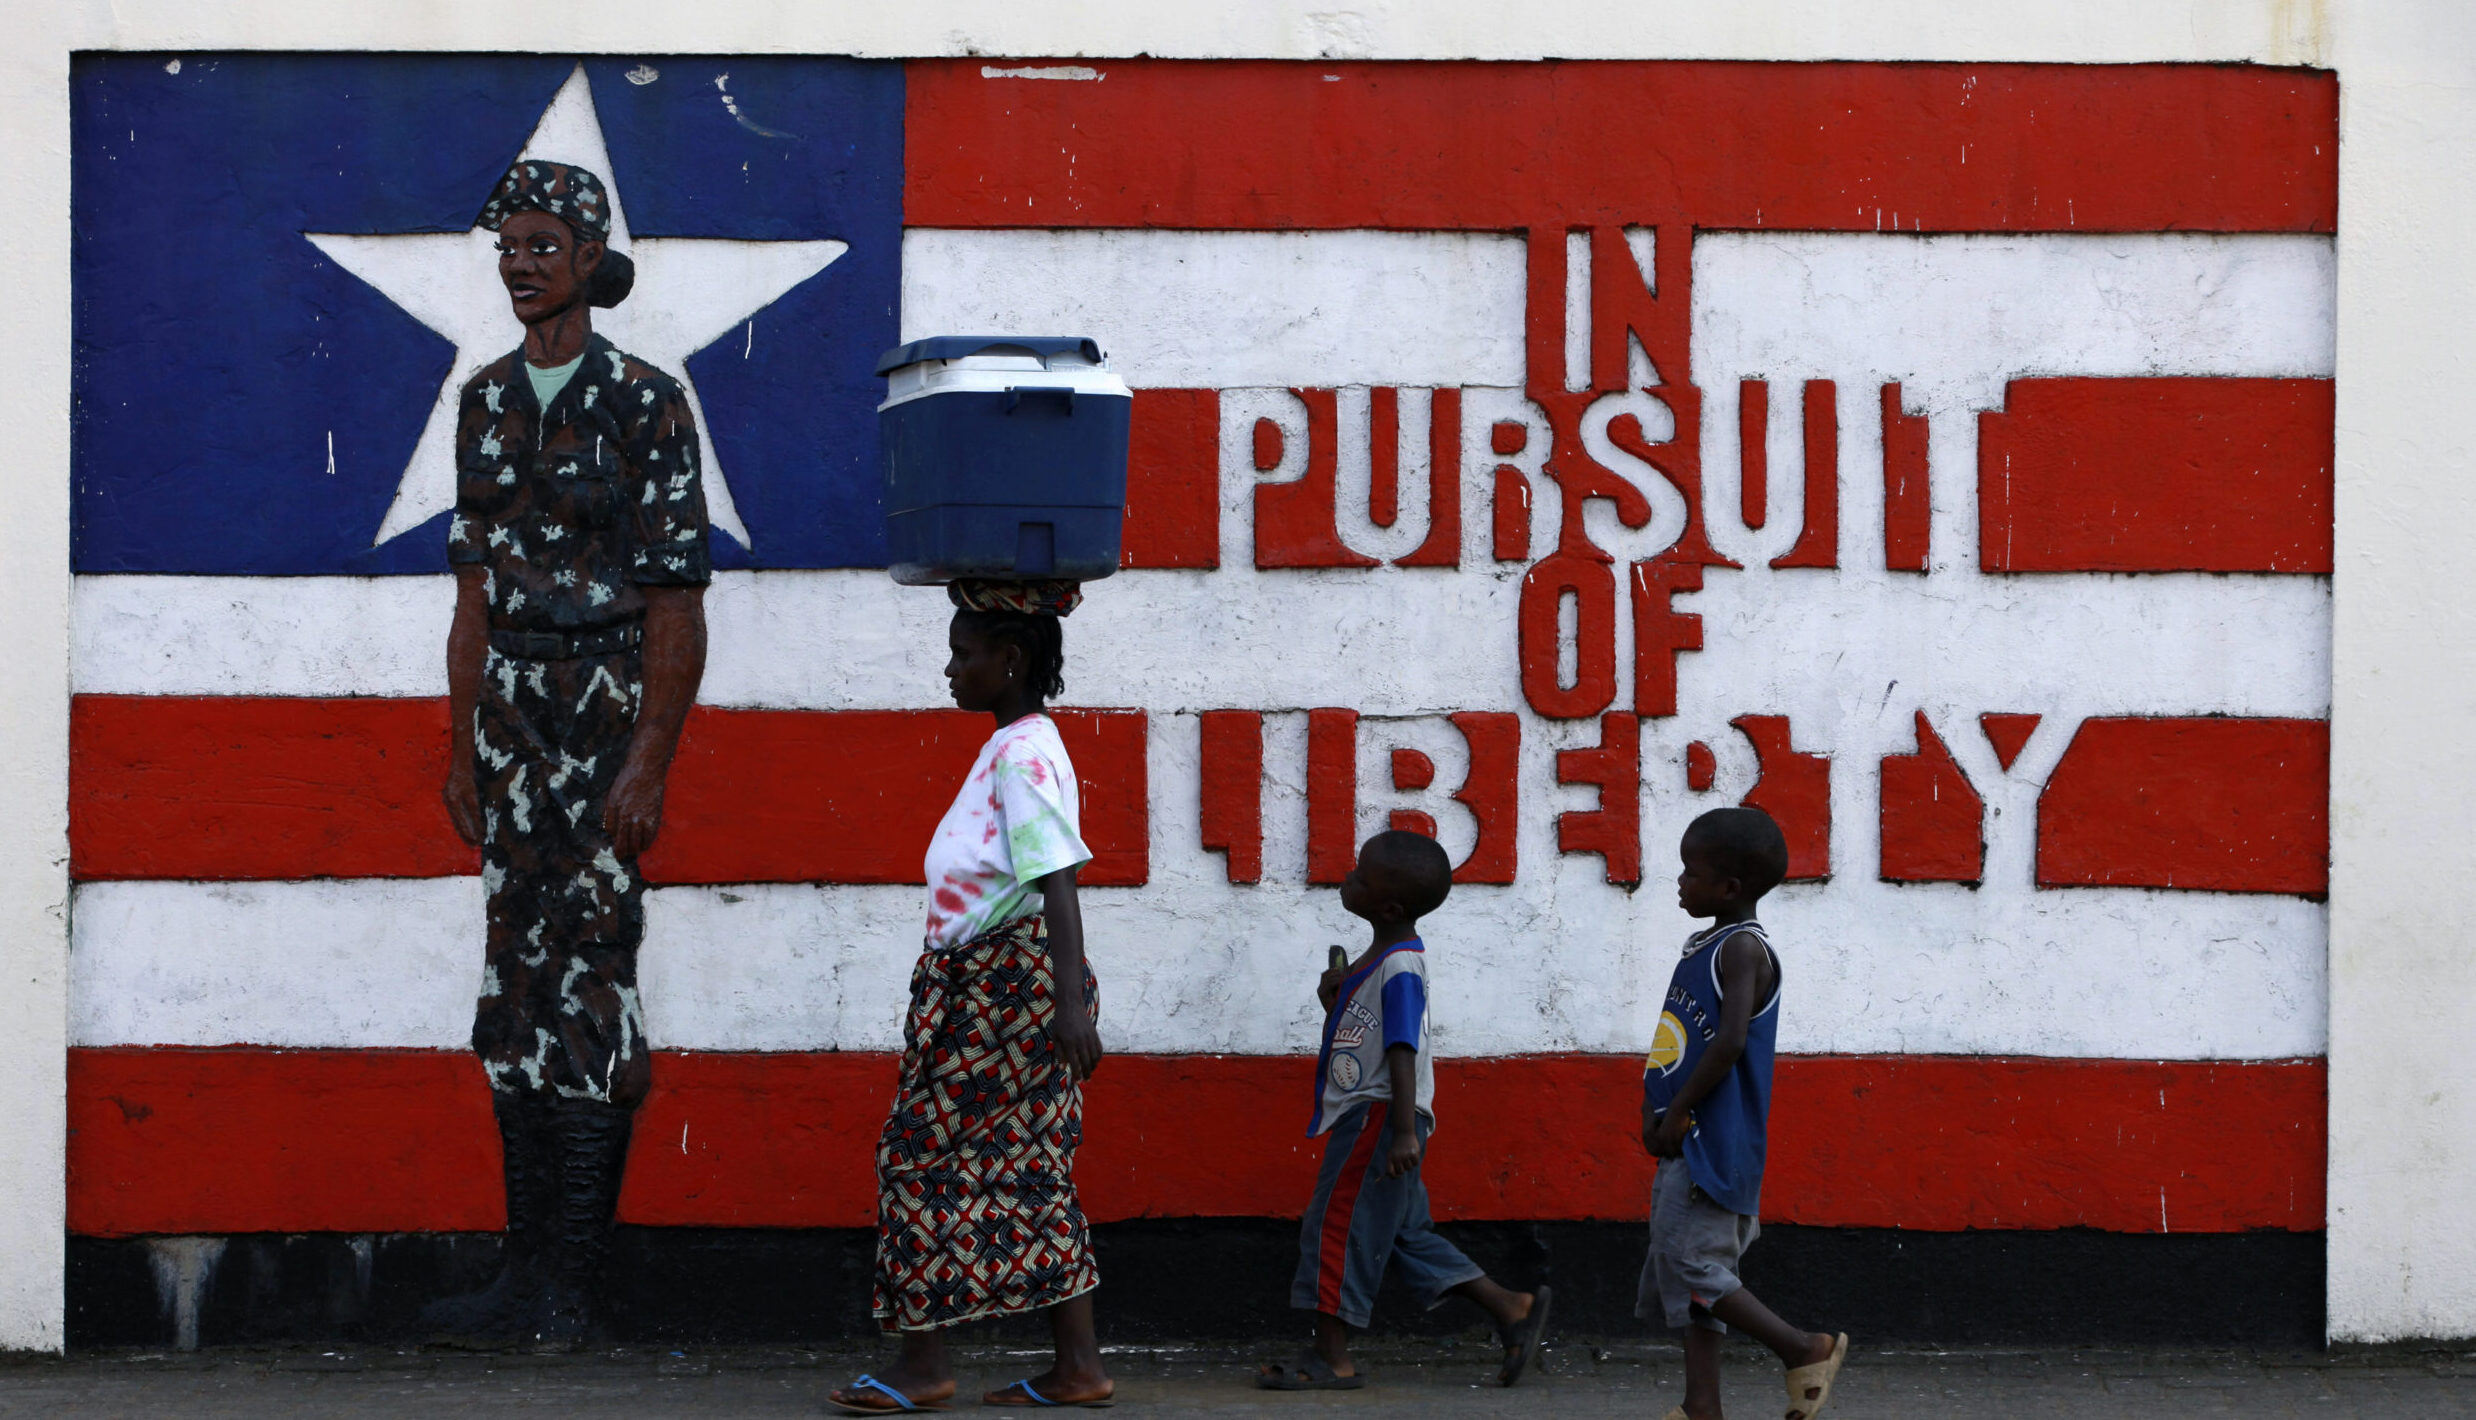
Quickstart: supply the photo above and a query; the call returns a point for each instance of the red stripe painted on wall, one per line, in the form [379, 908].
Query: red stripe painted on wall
[2207, 803]
[751, 790]
[202, 1141]
[249, 1140]
[1473, 146]
[1173, 480]
[244, 787]
[212, 787]
[2157, 475]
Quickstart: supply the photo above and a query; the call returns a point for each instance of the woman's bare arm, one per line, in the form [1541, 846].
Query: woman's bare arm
[1070, 1027]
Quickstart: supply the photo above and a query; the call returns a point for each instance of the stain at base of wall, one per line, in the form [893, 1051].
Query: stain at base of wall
[759, 1285]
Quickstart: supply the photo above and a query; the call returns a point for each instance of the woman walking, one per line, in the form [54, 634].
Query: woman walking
[976, 1208]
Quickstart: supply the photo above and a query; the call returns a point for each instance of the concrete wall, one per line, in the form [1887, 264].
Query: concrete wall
[2402, 1117]
[2223, 976]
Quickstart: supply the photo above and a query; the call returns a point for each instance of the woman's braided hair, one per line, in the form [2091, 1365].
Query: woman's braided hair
[1038, 633]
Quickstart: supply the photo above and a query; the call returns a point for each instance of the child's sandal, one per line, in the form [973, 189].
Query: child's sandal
[1810, 1386]
[1309, 1372]
[1524, 1341]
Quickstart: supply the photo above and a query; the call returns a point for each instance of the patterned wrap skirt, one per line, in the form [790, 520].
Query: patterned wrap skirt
[976, 1208]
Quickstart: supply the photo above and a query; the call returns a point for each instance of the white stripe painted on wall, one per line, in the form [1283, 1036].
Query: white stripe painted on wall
[373, 962]
[1207, 967]
[1386, 641]
[1958, 315]
[1182, 309]
[1954, 316]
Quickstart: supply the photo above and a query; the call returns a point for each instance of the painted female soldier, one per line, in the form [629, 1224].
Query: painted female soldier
[976, 1208]
[579, 547]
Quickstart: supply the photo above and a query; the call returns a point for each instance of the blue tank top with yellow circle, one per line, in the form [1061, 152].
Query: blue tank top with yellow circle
[1724, 1149]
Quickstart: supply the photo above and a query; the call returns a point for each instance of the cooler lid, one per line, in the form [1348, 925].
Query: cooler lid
[956, 347]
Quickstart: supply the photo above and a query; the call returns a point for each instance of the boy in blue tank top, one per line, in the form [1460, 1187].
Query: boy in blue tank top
[1706, 1102]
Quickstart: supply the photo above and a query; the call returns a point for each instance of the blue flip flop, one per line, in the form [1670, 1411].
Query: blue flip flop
[1035, 1398]
[902, 1404]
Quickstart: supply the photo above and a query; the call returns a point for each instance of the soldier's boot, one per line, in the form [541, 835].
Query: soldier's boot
[591, 1145]
[510, 1307]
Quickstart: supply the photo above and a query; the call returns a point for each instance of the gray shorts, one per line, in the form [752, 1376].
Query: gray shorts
[1695, 1244]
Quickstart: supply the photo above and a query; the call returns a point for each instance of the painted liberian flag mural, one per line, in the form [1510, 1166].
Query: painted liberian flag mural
[1533, 454]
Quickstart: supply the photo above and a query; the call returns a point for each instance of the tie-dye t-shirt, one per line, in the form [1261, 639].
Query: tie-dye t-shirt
[1017, 819]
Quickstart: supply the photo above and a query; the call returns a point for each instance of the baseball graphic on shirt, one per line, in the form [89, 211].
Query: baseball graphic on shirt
[1345, 1071]
[1667, 1044]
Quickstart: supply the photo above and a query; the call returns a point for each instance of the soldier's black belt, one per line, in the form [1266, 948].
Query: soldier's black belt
[568, 646]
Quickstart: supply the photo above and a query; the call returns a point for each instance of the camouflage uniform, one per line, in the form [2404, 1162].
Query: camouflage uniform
[571, 511]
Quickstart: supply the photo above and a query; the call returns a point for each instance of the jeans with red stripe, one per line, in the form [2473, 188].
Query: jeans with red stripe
[1360, 1220]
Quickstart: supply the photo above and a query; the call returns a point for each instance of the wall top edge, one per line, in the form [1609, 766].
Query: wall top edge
[1098, 56]
[2274, 32]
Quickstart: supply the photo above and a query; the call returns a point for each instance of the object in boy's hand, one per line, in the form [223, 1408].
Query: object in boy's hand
[1337, 968]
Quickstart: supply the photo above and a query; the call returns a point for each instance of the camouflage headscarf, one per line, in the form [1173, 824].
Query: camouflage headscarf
[1051, 597]
[565, 191]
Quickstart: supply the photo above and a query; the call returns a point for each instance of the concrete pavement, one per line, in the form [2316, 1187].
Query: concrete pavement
[1443, 1379]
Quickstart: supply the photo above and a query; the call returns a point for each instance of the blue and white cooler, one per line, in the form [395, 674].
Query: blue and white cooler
[1005, 458]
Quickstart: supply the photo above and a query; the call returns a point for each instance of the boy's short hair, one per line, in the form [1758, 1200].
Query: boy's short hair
[1417, 866]
[1744, 843]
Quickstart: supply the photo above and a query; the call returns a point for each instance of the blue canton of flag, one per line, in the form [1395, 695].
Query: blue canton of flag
[258, 396]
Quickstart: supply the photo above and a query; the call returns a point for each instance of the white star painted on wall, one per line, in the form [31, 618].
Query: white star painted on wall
[690, 292]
